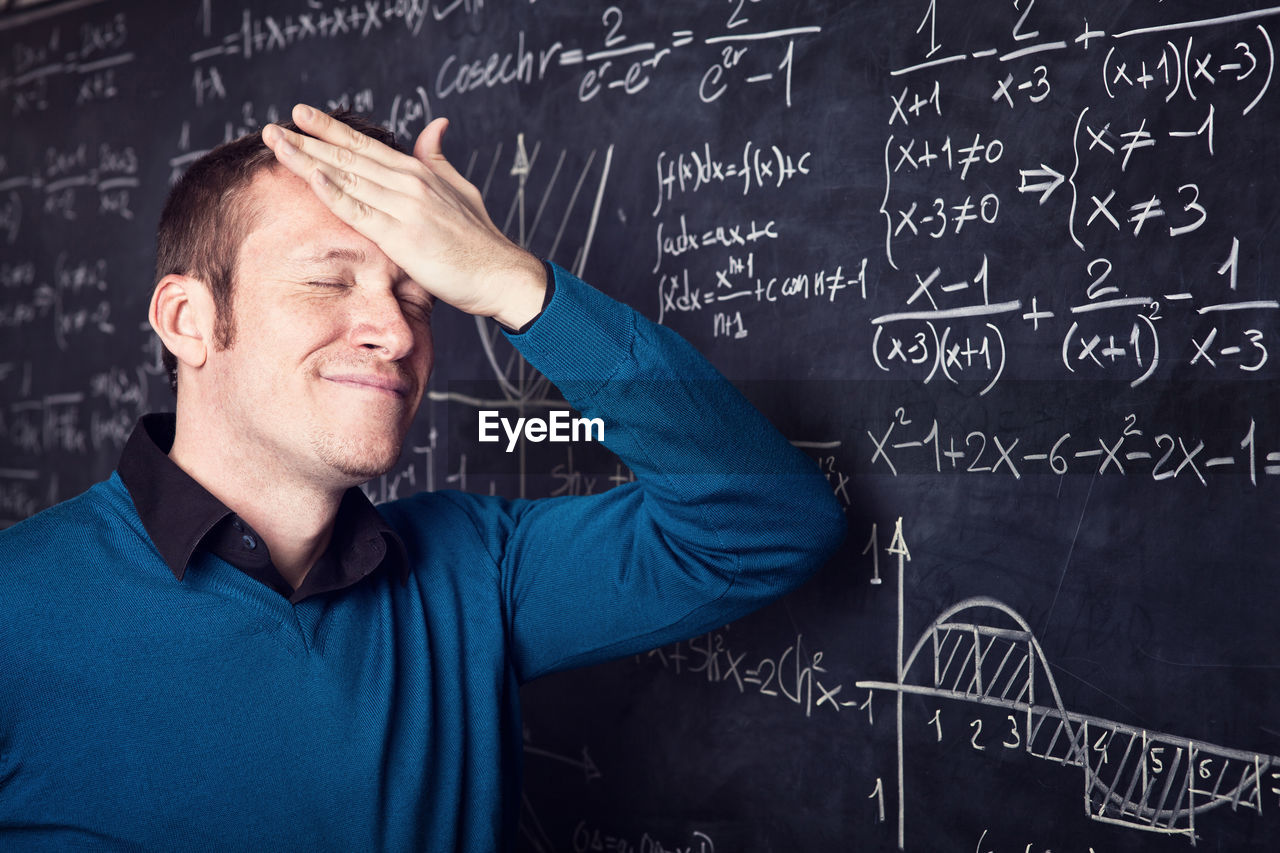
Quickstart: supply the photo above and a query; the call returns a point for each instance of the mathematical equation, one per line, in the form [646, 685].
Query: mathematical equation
[795, 674]
[1170, 104]
[257, 34]
[592, 839]
[67, 66]
[729, 247]
[77, 422]
[73, 424]
[1111, 333]
[101, 177]
[1250, 68]
[907, 446]
[738, 281]
[72, 299]
[744, 56]
[744, 50]
[1178, 212]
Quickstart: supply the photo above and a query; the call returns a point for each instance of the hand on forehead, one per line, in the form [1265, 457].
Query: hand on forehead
[426, 217]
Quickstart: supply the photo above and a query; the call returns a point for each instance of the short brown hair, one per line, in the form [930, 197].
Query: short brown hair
[207, 217]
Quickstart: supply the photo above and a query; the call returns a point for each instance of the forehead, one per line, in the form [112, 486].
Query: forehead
[289, 225]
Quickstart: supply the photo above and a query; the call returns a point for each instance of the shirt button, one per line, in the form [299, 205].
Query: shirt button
[249, 542]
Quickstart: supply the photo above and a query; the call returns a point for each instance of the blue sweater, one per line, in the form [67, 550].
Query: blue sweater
[138, 711]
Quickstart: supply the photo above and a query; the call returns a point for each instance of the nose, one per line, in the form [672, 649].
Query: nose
[379, 324]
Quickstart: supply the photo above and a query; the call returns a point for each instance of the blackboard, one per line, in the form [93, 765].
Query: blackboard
[1006, 270]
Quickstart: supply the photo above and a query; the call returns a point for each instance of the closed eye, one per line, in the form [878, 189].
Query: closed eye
[418, 307]
[415, 299]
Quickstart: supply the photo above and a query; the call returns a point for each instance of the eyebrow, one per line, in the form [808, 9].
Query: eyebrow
[354, 256]
[339, 254]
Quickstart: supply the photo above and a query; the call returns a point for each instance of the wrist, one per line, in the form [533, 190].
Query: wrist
[524, 294]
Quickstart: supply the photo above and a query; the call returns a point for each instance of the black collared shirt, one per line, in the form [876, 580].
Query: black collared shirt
[182, 517]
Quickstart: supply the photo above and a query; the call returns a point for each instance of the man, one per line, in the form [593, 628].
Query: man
[225, 646]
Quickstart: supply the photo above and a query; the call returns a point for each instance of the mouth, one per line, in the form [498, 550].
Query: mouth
[391, 386]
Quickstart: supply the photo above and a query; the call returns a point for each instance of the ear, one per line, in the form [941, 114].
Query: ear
[182, 314]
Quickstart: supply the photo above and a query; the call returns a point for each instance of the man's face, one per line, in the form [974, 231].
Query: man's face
[332, 345]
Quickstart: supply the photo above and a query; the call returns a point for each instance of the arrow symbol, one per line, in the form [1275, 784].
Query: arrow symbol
[521, 165]
[1052, 176]
[586, 765]
[520, 168]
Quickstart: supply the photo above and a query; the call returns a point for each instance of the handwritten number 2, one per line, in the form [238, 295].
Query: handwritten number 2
[613, 38]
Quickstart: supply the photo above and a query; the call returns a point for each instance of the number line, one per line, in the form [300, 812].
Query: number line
[1022, 706]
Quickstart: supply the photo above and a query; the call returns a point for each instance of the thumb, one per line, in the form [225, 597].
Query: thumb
[429, 151]
[428, 147]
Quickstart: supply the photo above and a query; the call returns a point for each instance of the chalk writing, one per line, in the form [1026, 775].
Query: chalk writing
[69, 179]
[1132, 449]
[67, 66]
[751, 56]
[756, 168]
[796, 674]
[588, 839]
[982, 654]
[257, 34]
[1022, 240]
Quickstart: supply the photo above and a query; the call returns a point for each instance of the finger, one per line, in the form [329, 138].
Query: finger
[370, 221]
[337, 133]
[359, 189]
[296, 149]
[429, 150]
[430, 144]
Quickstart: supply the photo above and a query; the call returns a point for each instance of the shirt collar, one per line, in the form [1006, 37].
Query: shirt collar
[181, 516]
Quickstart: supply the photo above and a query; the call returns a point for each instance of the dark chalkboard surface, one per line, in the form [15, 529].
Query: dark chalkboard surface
[1007, 270]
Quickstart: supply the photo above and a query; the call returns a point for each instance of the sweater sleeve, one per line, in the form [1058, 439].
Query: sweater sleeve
[724, 516]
